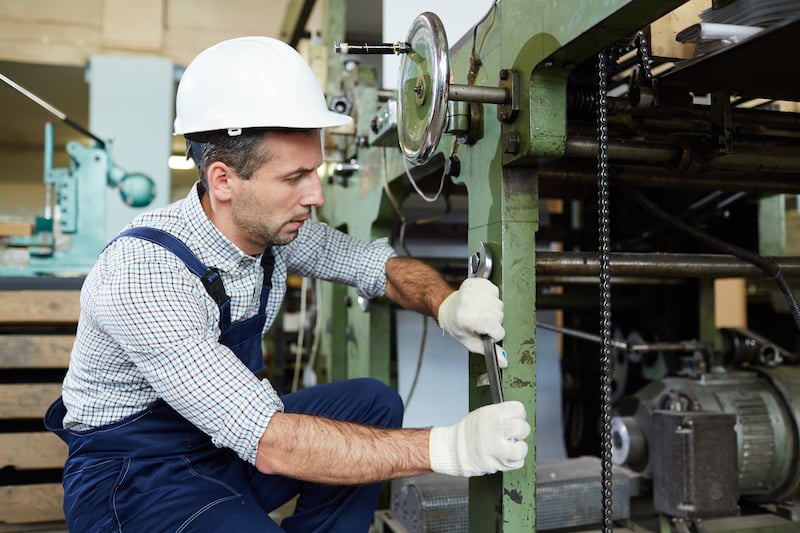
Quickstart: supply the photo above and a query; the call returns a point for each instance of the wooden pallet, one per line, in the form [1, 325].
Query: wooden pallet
[37, 330]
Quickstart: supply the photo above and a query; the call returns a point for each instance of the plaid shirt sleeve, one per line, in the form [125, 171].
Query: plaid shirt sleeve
[322, 252]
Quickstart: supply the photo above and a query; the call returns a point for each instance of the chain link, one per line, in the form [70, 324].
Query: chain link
[604, 59]
[643, 53]
[603, 211]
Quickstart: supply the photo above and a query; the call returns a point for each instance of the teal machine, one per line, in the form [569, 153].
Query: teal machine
[72, 231]
[683, 427]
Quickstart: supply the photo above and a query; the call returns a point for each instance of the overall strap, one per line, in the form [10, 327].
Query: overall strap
[210, 277]
[268, 264]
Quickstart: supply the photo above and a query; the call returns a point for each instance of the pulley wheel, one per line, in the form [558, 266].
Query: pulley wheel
[423, 87]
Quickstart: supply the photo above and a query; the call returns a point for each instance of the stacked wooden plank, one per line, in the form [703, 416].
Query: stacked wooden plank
[38, 318]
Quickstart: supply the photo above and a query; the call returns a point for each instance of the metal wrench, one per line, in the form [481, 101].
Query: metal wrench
[492, 369]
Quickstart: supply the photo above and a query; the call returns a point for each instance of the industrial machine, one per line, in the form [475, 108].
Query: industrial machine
[614, 186]
[71, 233]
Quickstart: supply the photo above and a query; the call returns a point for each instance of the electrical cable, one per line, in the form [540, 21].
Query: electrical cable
[766, 264]
[416, 187]
[475, 62]
[418, 370]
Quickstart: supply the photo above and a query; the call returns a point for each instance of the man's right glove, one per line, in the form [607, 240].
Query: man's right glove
[488, 440]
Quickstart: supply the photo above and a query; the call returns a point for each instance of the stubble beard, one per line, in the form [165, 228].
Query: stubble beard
[279, 240]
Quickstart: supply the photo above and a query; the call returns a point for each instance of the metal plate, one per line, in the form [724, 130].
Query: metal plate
[423, 88]
[761, 66]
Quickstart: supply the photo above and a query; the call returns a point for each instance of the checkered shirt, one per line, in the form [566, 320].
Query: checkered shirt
[148, 329]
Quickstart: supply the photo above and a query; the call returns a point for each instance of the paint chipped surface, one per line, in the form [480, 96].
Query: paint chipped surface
[517, 383]
[514, 495]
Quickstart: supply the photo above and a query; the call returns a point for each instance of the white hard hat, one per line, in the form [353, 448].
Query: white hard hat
[251, 82]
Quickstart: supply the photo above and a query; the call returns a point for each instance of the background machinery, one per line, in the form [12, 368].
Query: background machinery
[71, 233]
[612, 187]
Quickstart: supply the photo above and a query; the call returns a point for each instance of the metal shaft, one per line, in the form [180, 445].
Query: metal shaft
[656, 152]
[657, 265]
[763, 158]
[678, 346]
[472, 93]
[712, 180]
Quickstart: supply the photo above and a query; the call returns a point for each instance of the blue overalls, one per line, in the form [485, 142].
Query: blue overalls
[155, 471]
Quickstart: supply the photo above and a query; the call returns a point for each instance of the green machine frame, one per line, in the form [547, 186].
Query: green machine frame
[541, 41]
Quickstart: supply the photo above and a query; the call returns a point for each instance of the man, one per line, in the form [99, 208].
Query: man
[169, 429]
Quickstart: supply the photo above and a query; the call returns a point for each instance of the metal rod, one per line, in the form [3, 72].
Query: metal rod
[51, 109]
[586, 147]
[658, 265]
[372, 49]
[678, 346]
[714, 180]
[579, 334]
[744, 158]
[472, 93]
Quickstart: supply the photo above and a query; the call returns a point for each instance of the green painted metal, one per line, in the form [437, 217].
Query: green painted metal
[359, 206]
[542, 41]
[79, 236]
[548, 134]
[333, 341]
[772, 225]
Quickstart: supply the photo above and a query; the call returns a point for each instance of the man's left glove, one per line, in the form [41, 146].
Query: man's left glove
[473, 310]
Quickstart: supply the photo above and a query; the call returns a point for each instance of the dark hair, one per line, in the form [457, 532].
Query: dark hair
[244, 153]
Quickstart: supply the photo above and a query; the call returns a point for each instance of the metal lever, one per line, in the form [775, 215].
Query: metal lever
[68, 121]
[369, 49]
[492, 369]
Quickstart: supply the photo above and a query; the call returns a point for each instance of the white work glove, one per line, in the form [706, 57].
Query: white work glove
[473, 310]
[488, 440]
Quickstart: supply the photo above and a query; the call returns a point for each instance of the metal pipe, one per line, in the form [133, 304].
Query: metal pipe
[678, 346]
[744, 157]
[657, 265]
[472, 93]
[655, 177]
[586, 147]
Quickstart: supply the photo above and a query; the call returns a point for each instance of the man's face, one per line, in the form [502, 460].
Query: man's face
[269, 208]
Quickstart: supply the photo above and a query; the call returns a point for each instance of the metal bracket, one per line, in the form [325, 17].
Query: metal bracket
[509, 80]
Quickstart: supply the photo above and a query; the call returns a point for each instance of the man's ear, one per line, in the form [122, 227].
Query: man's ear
[219, 178]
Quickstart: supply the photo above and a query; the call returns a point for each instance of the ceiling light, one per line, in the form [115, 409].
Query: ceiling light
[179, 162]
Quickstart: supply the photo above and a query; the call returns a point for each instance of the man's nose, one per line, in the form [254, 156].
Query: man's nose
[312, 195]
